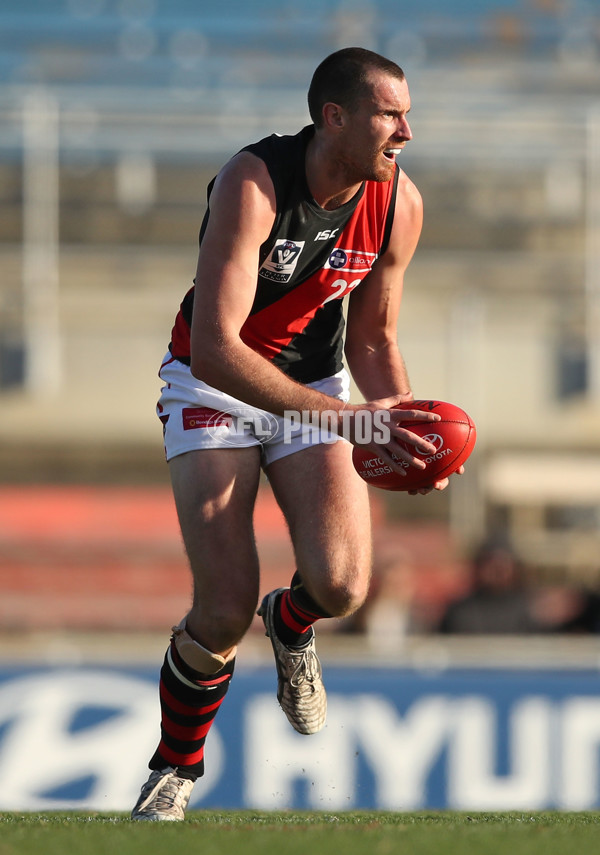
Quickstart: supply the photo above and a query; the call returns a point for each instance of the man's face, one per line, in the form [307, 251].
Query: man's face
[377, 131]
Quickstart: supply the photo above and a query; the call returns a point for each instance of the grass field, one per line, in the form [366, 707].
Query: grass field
[255, 833]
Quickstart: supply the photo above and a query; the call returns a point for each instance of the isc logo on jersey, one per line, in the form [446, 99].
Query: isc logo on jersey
[350, 259]
[282, 261]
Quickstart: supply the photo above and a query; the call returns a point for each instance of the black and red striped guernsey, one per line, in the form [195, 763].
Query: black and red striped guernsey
[310, 261]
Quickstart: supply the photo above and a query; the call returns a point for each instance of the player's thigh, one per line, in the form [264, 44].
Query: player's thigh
[326, 506]
[215, 492]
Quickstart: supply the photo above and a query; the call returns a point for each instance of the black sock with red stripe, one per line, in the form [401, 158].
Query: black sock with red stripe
[295, 614]
[189, 702]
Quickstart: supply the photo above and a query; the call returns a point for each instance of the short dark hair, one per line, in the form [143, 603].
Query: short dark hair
[342, 79]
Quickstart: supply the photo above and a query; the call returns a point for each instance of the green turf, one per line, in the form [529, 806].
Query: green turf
[257, 833]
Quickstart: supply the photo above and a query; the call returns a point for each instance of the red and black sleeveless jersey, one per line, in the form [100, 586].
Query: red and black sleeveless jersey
[310, 261]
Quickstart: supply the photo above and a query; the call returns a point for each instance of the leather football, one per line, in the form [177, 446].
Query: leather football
[454, 438]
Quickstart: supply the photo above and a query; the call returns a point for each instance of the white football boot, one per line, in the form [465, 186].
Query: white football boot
[300, 689]
[164, 797]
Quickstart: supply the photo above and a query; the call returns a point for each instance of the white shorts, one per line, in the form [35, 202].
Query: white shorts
[196, 416]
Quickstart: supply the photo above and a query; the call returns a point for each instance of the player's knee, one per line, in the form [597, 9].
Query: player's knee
[220, 629]
[344, 597]
[229, 628]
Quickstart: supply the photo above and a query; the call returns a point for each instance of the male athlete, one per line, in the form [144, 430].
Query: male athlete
[294, 224]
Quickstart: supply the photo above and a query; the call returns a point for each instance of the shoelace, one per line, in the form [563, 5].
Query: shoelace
[170, 793]
[308, 670]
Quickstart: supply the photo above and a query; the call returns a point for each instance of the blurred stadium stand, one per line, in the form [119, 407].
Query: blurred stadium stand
[113, 117]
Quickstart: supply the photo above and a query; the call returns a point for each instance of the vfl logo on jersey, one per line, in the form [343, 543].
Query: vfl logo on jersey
[350, 259]
[282, 261]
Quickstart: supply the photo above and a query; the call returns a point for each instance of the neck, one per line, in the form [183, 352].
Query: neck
[329, 186]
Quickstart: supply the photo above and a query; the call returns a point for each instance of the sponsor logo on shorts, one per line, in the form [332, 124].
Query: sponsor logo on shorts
[204, 417]
[282, 261]
[350, 259]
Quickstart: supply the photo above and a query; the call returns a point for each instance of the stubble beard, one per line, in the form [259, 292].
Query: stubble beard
[372, 170]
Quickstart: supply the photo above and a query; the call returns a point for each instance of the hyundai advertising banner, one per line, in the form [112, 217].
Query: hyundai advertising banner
[80, 738]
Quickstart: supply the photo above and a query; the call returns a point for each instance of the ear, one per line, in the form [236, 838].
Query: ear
[333, 116]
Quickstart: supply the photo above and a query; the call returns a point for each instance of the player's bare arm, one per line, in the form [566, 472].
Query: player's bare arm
[242, 212]
[372, 352]
[374, 358]
[372, 348]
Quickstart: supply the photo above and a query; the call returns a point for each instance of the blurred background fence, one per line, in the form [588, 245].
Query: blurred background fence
[114, 115]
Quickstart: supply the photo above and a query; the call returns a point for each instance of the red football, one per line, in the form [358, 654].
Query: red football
[453, 436]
